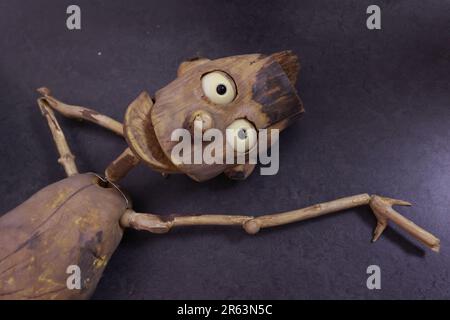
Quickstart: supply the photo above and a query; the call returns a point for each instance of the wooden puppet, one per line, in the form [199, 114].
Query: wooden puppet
[80, 220]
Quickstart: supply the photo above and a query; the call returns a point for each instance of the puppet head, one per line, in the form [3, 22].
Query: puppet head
[249, 91]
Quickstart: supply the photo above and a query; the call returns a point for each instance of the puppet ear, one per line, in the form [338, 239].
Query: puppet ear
[140, 135]
[190, 64]
[289, 63]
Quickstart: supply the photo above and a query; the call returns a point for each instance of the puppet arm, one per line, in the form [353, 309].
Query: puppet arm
[381, 206]
[80, 113]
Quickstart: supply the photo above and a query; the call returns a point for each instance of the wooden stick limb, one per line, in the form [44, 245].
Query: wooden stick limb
[81, 113]
[67, 159]
[162, 224]
[254, 225]
[381, 206]
[121, 165]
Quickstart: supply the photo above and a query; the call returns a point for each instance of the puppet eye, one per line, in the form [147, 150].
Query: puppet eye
[218, 87]
[241, 134]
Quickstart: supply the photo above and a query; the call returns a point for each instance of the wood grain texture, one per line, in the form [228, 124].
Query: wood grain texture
[289, 63]
[71, 222]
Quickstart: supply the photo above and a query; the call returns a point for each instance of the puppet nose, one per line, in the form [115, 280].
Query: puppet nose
[201, 120]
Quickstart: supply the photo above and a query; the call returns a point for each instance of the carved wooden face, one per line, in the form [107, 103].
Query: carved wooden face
[253, 90]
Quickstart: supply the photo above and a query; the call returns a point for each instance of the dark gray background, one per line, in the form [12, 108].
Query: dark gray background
[377, 120]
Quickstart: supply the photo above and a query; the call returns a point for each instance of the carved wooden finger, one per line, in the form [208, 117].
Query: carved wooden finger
[81, 113]
[382, 208]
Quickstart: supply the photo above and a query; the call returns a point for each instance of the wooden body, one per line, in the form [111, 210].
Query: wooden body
[72, 222]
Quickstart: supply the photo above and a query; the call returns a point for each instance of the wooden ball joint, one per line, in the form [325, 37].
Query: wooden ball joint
[79, 221]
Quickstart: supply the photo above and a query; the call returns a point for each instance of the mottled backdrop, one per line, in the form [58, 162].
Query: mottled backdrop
[377, 120]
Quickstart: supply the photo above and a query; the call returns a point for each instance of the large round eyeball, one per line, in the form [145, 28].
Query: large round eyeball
[218, 87]
[241, 134]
